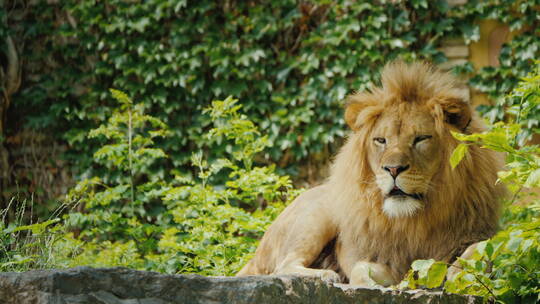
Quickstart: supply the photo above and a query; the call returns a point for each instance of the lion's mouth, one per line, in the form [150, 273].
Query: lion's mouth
[398, 192]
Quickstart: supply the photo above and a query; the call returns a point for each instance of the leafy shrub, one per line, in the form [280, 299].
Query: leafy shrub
[506, 267]
[213, 231]
[188, 225]
[124, 204]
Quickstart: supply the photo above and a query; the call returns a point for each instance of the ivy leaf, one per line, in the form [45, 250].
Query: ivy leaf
[141, 24]
[471, 32]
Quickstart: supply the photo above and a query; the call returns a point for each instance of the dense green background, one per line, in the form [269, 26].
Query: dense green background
[290, 63]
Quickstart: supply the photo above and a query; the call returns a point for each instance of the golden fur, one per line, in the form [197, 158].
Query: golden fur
[354, 225]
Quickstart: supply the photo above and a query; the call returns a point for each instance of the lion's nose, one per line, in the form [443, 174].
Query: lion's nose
[395, 170]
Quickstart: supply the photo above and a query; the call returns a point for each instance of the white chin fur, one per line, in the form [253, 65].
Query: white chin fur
[401, 206]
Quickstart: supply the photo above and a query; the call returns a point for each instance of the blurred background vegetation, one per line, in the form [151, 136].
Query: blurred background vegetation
[290, 62]
[160, 177]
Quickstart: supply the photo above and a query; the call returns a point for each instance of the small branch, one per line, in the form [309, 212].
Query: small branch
[484, 285]
[514, 197]
[130, 156]
[13, 71]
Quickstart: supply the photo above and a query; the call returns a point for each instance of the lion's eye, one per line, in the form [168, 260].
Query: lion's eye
[380, 140]
[420, 138]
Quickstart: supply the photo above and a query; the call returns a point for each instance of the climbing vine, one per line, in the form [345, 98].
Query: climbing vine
[290, 62]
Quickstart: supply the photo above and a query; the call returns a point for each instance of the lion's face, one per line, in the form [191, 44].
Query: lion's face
[404, 129]
[404, 157]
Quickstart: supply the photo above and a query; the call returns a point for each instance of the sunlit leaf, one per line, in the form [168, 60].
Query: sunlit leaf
[458, 154]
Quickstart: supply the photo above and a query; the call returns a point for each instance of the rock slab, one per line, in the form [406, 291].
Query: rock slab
[84, 285]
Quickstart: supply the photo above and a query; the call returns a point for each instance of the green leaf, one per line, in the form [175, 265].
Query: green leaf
[458, 155]
[513, 244]
[471, 32]
[496, 141]
[534, 179]
[37, 228]
[465, 137]
[422, 267]
[436, 275]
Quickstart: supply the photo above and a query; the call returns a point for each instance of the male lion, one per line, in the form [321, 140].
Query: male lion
[392, 196]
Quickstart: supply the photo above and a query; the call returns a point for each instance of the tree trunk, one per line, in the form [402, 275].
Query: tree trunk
[10, 80]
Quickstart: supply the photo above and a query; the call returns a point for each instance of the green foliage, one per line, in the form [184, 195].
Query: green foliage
[290, 62]
[425, 273]
[71, 251]
[516, 58]
[523, 161]
[190, 224]
[457, 155]
[232, 126]
[125, 207]
[506, 267]
[212, 232]
[28, 246]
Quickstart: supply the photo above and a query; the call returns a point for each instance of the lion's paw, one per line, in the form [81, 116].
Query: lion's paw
[326, 275]
[371, 275]
[329, 276]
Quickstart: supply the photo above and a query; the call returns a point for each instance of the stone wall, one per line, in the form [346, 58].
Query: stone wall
[84, 285]
[482, 53]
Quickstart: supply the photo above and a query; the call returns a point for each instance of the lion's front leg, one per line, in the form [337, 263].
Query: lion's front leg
[296, 238]
[369, 274]
[302, 249]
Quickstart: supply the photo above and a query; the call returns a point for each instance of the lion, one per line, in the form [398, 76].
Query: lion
[392, 196]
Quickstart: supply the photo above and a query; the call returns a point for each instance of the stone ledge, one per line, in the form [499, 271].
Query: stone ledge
[83, 285]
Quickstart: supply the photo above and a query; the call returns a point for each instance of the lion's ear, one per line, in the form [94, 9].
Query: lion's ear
[359, 109]
[351, 115]
[457, 113]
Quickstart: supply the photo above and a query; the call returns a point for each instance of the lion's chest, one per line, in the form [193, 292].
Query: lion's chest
[394, 248]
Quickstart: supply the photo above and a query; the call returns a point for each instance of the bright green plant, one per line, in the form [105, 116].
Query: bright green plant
[213, 232]
[505, 268]
[123, 205]
[191, 224]
[71, 251]
[523, 161]
[26, 246]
